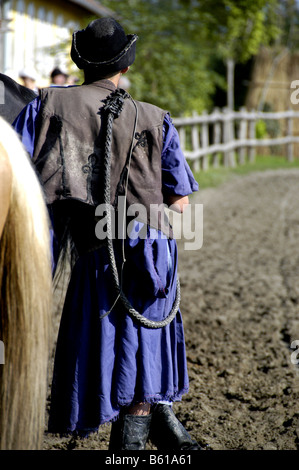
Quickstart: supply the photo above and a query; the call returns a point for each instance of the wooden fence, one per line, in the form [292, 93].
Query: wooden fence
[229, 137]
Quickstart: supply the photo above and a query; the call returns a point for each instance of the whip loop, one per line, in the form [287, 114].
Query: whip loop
[113, 107]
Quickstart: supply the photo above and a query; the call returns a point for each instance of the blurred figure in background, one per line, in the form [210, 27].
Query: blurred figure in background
[29, 77]
[72, 80]
[58, 77]
[124, 83]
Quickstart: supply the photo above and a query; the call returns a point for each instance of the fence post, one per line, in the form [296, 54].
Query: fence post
[228, 137]
[216, 139]
[290, 146]
[252, 137]
[242, 134]
[182, 136]
[195, 144]
[204, 133]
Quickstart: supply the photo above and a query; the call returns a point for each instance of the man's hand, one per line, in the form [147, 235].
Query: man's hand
[177, 203]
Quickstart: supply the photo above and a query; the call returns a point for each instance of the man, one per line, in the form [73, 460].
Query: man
[58, 77]
[119, 358]
[28, 77]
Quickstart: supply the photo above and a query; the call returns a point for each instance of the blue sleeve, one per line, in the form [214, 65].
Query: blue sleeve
[24, 124]
[177, 177]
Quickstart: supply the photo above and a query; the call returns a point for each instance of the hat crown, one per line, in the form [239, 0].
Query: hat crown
[105, 37]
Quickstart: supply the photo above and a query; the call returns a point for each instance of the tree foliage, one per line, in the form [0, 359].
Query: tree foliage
[179, 41]
[173, 66]
[288, 24]
[241, 27]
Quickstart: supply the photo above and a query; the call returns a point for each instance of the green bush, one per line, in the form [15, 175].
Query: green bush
[260, 129]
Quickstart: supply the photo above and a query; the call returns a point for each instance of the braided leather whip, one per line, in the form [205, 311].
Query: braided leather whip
[113, 107]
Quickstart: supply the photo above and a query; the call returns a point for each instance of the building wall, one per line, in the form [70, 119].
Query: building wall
[40, 29]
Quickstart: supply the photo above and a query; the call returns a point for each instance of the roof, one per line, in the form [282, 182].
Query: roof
[94, 7]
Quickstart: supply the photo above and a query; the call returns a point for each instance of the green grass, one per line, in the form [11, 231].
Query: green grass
[214, 177]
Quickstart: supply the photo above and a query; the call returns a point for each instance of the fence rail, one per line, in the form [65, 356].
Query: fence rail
[229, 137]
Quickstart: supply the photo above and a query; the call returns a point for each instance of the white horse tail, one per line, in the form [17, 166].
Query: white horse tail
[25, 302]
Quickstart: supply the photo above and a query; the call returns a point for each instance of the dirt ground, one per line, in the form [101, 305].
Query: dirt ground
[240, 305]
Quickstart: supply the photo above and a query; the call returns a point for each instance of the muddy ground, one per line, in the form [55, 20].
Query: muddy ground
[240, 304]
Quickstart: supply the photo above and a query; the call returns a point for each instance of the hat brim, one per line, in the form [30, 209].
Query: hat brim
[123, 59]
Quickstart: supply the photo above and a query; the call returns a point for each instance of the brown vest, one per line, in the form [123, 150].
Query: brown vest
[69, 151]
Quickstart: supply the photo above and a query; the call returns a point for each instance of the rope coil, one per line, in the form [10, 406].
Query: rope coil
[113, 107]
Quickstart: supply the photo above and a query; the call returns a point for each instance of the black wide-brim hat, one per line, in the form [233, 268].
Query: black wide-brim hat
[104, 46]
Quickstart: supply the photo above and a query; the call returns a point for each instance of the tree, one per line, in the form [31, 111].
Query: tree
[179, 40]
[287, 41]
[242, 27]
[173, 67]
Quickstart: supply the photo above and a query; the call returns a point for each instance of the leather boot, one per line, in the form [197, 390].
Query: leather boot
[130, 432]
[167, 432]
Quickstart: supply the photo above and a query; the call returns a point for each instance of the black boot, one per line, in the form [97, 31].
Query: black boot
[167, 432]
[130, 432]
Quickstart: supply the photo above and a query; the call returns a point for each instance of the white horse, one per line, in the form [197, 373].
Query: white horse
[25, 299]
